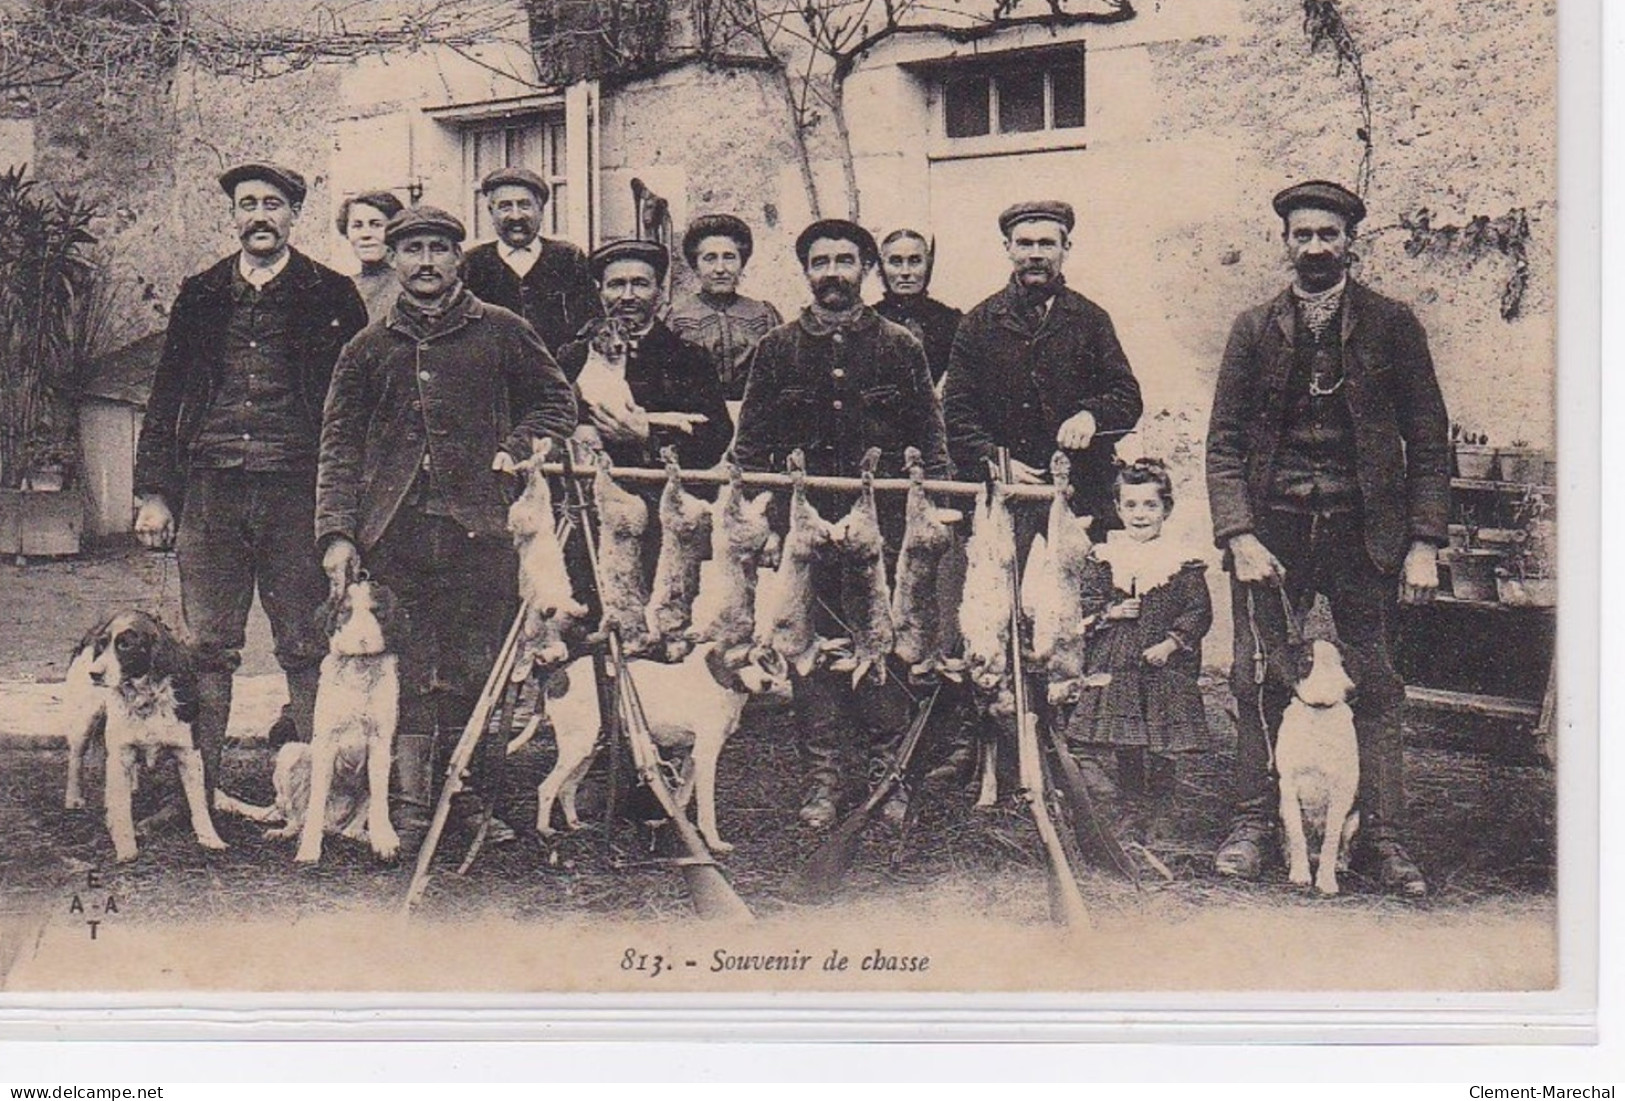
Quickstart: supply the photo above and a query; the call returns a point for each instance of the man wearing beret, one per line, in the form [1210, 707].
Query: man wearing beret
[716, 317]
[546, 282]
[429, 410]
[226, 465]
[834, 382]
[676, 395]
[1328, 472]
[1038, 366]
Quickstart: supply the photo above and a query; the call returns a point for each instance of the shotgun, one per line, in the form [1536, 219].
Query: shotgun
[823, 871]
[1066, 902]
[714, 897]
[463, 755]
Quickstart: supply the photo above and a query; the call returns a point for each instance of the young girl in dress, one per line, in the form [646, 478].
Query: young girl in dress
[1145, 646]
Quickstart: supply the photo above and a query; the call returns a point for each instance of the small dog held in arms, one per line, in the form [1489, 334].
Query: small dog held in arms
[602, 381]
[345, 768]
[131, 682]
[1318, 759]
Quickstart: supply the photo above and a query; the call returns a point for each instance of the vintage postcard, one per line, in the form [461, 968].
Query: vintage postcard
[749, 497]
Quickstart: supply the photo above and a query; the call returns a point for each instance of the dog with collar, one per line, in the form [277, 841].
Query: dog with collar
[1318, 759]
[694, 703]
[345, 768]
[132, 683]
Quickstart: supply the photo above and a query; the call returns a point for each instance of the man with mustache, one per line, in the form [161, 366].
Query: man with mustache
[231, 434]
[546, 282]
[676, 394]
[1328, 471]
[1038, 366]
[429, 410]
[834, 382]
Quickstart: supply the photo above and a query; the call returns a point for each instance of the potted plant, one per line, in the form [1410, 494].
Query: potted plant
[1475, 459]
[1521, 464]
[51, 305]
[1468, 562]
[1528, 576]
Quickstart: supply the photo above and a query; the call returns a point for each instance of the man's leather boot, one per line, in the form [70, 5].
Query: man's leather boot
[1242, 854]
[414, 787]
[301, 709]
[1395, 871]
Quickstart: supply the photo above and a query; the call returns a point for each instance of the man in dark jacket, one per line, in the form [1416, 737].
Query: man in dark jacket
[428, 412]
[835, 382]
[1328, 471]
[1038, 366]
[231, 434]
[546, 282]
[906, 260]
[676, 393]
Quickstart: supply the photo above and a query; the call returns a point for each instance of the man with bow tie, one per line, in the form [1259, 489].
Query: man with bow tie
[676, 395]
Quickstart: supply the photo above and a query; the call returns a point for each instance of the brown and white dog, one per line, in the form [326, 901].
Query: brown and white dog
[1318, 759]
[602, 381]
[345, 768]
[132, 682]
[695, 702]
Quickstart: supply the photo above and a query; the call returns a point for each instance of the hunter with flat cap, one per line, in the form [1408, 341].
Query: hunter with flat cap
[1328, 472]
[544, 281]
[676, 395]
[226, 465]
[1038, 366]
[834, 382]
[429, 410]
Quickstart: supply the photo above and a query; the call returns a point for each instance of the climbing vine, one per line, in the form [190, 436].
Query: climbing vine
[1324, 24]
[1506, 236]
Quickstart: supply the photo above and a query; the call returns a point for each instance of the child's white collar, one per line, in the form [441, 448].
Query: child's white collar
[1139, 567]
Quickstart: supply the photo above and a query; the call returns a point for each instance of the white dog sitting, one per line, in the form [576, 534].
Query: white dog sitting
[695, 702]
[1318, 759]
[345, 768]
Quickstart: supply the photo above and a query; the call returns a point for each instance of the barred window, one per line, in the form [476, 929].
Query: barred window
[1018, 95]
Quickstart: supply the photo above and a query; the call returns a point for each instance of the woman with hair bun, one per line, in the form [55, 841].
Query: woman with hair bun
[716, 318]
[1141, 696]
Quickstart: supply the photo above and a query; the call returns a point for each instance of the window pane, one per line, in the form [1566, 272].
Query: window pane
[555, 149]
[965, 106]
[558, 211]
[1066, 79]
[1021, 101]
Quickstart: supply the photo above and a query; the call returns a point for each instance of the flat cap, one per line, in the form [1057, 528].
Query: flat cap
[717, 225]
[1321, 195]
[649, 252]
[522, 177]
[1050, 210]
[285, 180]
[838, 229]
[424, 219]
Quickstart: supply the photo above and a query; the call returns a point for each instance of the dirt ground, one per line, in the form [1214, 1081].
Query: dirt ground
[1482, 827]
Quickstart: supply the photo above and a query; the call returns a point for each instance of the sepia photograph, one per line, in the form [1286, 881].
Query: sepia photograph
[521, 498]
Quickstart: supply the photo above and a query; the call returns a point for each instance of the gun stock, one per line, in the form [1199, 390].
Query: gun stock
[1066, 902]
[714, 898]
[1096, 842]
[462, 755]
[829, 863]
